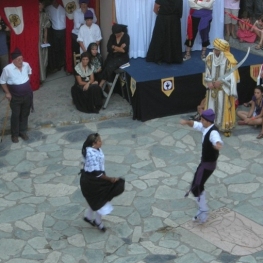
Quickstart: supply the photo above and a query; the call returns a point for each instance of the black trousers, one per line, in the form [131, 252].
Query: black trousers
[20, 107]
[58, 49]
[75, 45]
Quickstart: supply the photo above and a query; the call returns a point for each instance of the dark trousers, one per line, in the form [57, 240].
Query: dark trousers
[20, 107]
[75, 45]
[254, 7]
[204, 33]
[58, 49]
[203, 172]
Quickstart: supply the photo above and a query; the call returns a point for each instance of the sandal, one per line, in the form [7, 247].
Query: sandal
[258, 47]
[186, 56]
[260, 136]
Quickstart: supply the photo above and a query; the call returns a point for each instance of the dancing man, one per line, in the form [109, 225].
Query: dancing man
[211, 144]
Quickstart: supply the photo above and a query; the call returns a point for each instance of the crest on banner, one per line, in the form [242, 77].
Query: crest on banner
[70, 6]
[167, 86]
[133, 86]
[254, 71]
[15, 18]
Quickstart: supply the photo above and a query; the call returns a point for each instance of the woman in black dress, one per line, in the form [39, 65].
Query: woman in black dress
[166, 43]
[96, 186]
[86, 93]
[118, 52]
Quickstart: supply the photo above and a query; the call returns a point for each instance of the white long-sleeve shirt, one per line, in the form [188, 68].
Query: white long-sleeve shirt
[214, 135]
[201, 4]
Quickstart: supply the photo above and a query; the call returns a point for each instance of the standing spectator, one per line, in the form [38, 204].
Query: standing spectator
[232, 8]
[44, 24]
[221, 95]
[211, 144]
[254, 7]
[88, 33]
[96, 186]
[79, 20]
[199, 19]
[16, 85]
[244, 32]
[166, 43]
[3, 45]
[57, 15]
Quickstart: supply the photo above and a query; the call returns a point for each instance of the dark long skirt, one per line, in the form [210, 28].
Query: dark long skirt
[166, 43]
[98, 191]
[89, 101]
[111, 64]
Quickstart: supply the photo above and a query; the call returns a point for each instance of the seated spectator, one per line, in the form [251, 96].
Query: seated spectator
[95, 60]
[200, 109]
[231, 8]
[118, 52]
[88, 33]
[3, 45]
[86, 93]
[244, 33]
[255, 115]
[258, 29]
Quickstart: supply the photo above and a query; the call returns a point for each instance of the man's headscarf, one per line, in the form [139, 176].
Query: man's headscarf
[223, 45]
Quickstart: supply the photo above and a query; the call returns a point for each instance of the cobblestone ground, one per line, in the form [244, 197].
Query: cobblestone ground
[42, 206]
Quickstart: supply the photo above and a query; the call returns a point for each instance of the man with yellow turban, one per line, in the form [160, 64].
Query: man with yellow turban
[221, 94]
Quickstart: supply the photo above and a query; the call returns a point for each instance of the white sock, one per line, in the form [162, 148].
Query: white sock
[89, 214]
[98, 220]
[202, 203]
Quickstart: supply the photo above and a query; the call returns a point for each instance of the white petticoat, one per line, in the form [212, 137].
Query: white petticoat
[106, 209]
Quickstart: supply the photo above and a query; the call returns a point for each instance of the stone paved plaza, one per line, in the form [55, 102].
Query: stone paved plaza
[42, 206]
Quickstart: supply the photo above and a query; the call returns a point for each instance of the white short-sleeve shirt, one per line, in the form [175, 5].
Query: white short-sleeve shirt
[13, 76]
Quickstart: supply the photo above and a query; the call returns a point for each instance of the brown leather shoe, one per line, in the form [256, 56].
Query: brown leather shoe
[14, 139]
[23, 136]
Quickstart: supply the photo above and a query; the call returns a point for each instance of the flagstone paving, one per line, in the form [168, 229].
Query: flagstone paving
[41, 205]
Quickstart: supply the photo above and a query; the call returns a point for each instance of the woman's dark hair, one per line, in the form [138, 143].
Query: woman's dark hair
[86, 55]
[90, 47]
[91, 139]
[259, 87]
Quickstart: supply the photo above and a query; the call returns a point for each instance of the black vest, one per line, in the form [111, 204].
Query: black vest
[209, 153]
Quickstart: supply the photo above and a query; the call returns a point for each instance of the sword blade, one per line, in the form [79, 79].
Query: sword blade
[236, 67]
